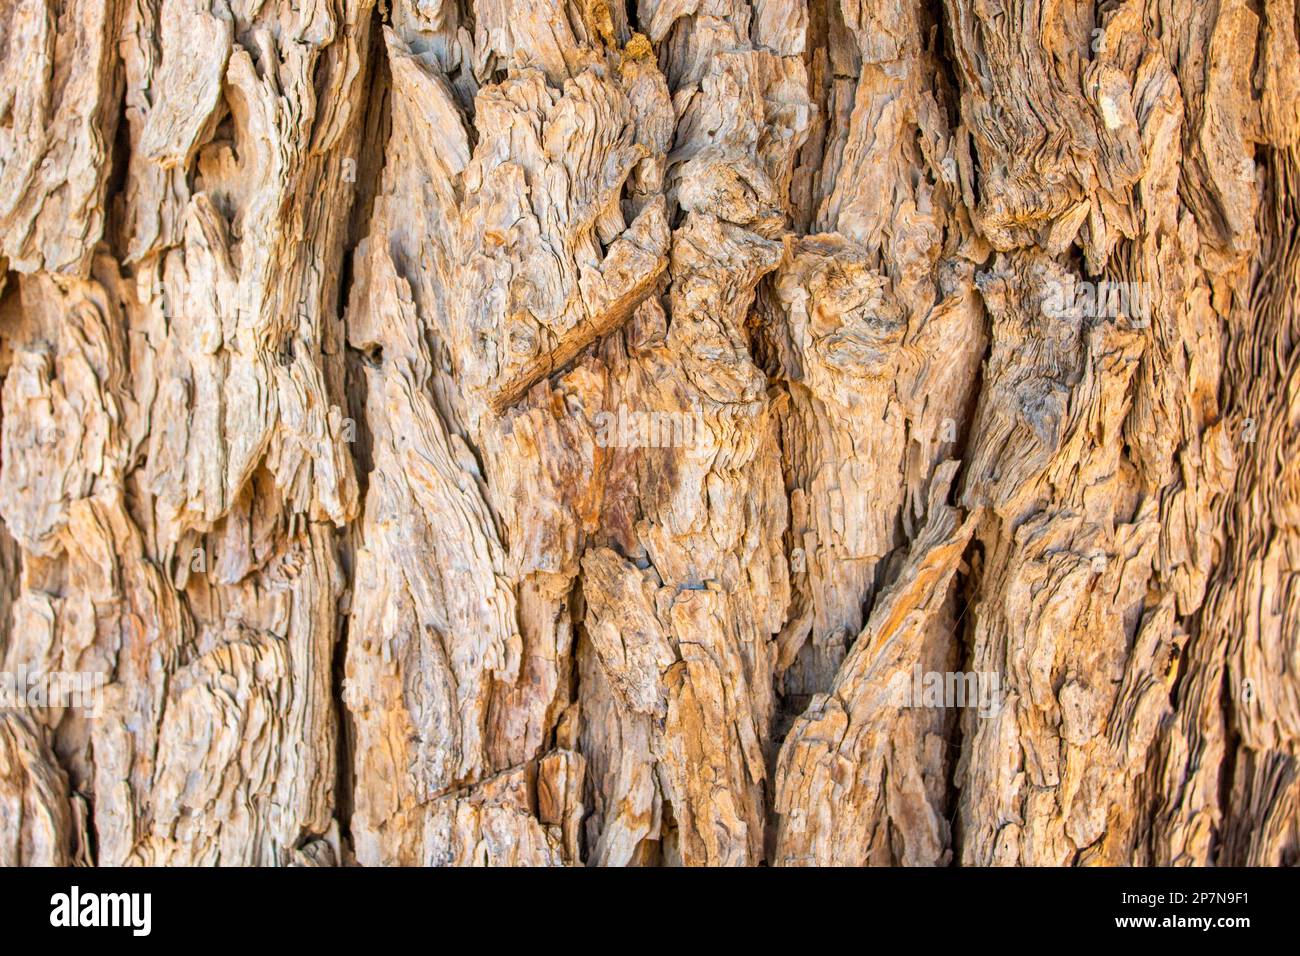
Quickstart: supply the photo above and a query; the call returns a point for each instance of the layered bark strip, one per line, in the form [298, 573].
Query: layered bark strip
[682, 432]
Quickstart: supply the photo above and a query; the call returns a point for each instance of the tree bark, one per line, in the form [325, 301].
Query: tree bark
[548, 432]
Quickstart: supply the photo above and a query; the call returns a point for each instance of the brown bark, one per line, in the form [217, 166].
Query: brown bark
[548, 432]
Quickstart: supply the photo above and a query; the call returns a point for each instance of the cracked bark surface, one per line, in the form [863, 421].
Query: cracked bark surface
[552, 432]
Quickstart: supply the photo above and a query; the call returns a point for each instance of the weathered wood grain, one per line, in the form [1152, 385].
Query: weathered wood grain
[556, 432]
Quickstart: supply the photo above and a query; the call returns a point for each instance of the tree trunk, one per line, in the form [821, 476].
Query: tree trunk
[682, 432]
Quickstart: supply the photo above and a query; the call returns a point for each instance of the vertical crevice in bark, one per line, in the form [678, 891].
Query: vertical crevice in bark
[1231, 783]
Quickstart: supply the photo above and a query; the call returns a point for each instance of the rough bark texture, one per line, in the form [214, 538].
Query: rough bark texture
[546, 432]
